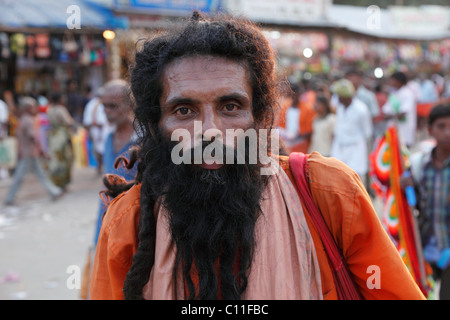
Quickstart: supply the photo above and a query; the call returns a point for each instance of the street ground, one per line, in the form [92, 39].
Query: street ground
[44, 243]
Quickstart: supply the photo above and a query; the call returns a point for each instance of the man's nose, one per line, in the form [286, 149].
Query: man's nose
[211, 126]
[447, 132]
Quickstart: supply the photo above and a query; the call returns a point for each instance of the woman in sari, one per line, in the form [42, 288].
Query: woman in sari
[59, 142]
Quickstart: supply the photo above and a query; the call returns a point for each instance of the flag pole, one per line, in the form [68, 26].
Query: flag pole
[411, 200]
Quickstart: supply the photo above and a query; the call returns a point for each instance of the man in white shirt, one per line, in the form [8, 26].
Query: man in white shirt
[4, 115]
[353, 129]
[94, 119]
[368, 97]
[362, 93]
[428, 90]
[401, 108]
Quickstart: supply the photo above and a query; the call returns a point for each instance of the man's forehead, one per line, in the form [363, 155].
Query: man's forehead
[442, 120]
[201, 66]
[204, 58]
[112, 95]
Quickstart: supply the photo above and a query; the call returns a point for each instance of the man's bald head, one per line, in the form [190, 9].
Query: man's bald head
[116, 99]
[117, 88]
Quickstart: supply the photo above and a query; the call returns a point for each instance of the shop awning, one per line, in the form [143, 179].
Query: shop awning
[55, 14]
[425, 22]
[412, 23]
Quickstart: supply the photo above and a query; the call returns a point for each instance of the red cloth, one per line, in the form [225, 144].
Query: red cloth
[345, 287]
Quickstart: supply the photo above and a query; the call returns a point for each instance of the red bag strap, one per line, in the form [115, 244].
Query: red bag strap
[344, 284]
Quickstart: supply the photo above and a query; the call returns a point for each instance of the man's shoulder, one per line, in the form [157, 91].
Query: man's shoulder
[360, 106]
[332, 175]
[418, 161]
[123, 211]
[327, 172]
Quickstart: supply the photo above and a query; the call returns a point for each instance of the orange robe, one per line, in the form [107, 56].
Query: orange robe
[346, 208]
[306, 118]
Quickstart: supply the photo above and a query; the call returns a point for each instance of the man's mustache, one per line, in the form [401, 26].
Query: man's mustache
[250, 147]
[214, 151]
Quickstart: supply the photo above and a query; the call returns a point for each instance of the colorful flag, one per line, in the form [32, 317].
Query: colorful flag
[80, 148]
[388, 162]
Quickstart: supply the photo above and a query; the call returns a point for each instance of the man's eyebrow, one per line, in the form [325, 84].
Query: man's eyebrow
[234, 96]
[180, 100]
[110, 104]
[184, 100]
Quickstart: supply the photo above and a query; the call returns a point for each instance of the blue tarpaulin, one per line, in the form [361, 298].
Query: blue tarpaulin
[179, 5]
[170, 7]
[56, 14]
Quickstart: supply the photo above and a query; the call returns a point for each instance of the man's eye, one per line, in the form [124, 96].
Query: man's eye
[231, 107]
[183, 111]
[109, 106]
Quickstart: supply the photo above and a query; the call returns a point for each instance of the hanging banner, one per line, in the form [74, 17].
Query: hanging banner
[423, 20]
[280, 11]
[387, 166]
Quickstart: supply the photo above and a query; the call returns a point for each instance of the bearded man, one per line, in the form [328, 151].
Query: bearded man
[214, 230]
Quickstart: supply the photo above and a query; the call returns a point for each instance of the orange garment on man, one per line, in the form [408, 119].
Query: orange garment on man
[307, 115]
[280, 117]
[346, 208]
[306, 118]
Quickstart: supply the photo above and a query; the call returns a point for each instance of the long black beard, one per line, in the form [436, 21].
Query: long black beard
[212, 216]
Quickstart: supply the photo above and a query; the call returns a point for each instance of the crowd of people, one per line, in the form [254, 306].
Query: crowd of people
[42, 127]
[343, 116]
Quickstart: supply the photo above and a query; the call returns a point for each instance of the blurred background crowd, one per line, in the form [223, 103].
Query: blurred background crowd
[63, 56]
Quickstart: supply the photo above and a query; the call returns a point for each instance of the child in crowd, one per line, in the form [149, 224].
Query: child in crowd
[430, 171]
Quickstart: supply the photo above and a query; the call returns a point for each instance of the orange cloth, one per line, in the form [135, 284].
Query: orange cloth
[307, 111]
[116, 246]
[306, 119]
[280, 116]
[347, 210]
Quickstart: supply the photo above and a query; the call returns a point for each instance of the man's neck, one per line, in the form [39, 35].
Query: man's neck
[125, 127]
[122, 135]
[347, 105]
